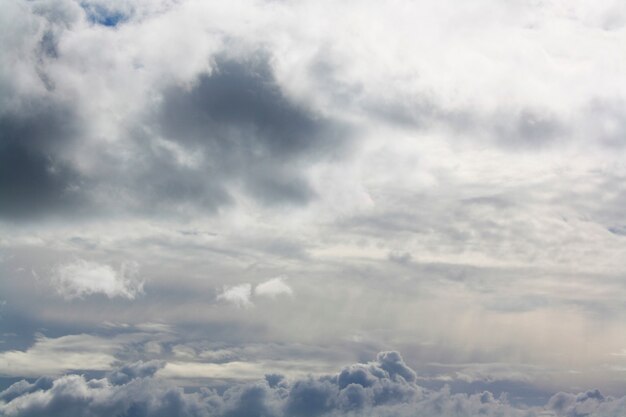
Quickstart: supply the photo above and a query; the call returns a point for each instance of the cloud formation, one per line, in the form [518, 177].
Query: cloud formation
[375, 388]
[239, 295]
[459, 167]
[273, 287]
[81, 278]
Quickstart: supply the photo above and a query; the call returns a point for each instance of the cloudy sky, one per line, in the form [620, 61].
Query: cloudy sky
[287, 208]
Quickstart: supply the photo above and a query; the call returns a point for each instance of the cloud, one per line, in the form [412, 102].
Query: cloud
[82, 278]
[128, 372]
[359, 389]
[34, 177]
[273, 287]
[229, 130]
[239, 295]
[329, 142]
[51, 356]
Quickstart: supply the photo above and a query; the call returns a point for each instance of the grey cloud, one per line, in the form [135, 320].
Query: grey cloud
[35, 178]
[248, 130]
[23, 387]
[354, 390]
[274, 379]
[402, 258]
[243, 131]
[63, 13]
[590, 403]
[235, 124]
[618, 230]
[131, 371]
[251, 401]
[311, 397]
[239, 131]
[392, 363]
[39, 129]
[530, 128]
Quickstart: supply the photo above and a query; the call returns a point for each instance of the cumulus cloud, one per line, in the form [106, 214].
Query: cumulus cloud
[81, 278]
[242, 295]
[128, 372]
[359, 389]
[239, 295]
[273, 287]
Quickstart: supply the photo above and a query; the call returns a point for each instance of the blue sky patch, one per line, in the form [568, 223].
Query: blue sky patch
[102, 16]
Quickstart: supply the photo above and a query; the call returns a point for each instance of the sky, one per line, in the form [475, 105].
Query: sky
[280, 208]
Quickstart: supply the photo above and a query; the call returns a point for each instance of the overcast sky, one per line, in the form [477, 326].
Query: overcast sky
[287, 208]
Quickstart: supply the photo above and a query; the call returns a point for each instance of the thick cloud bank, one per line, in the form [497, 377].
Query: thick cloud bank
[385, 387]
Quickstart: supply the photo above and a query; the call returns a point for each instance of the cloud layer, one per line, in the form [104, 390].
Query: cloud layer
[385, 387]
[441, 179]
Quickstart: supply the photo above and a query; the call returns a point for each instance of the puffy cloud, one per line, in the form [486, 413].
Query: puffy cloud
[131, 371]
[238, 295]
[273, 287]
[590, 403]
[241, 295]
[392, 362]
[134, 390]
[81, 278]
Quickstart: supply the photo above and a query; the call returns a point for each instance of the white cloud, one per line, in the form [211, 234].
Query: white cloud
[54, 356]
[239, 295]
[81, 278]
[273, 287]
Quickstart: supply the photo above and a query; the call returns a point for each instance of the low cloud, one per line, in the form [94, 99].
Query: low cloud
[384, 387]
[83, 278]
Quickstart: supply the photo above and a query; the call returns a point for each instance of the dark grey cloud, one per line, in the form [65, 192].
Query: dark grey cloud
[24, 387]
[248, 130]
[246, 134]
[35, 177]
[140, 369]
[39, 129]
[242, 132]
